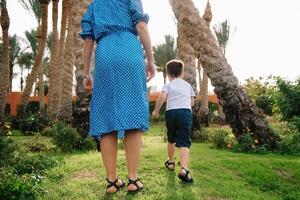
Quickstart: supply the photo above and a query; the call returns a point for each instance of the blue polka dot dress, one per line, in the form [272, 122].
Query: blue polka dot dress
[119, 101]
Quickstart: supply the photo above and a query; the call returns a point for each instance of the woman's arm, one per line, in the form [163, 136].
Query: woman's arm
[88, 46]
[142, 29]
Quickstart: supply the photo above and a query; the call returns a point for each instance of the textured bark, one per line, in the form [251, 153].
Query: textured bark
[81, 8]
[204, 110]
[41, 90]
[187, 55]
[54, 55]
[69, 61]
[57, 81]
[242, 115]
[4, 68]
[82, 106]
[39, 57]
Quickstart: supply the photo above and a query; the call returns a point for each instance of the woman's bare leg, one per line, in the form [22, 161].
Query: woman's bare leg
[133, 143]
[109, 149]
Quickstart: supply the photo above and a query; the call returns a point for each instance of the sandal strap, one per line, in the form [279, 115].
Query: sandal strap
[168, 163]
[134, 182]
[186, 172]
[114, 183]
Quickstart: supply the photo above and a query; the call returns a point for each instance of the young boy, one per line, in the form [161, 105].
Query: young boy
[180, 99]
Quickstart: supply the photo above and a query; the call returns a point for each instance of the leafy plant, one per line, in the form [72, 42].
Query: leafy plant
[65, 137]
[38, 144]
[223, 138]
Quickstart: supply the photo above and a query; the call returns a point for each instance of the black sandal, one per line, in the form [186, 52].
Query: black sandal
[185, 177]
[168, 163]
[134, 182]
[114, 184]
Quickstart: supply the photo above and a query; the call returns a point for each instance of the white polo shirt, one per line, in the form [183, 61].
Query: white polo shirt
[179, 94]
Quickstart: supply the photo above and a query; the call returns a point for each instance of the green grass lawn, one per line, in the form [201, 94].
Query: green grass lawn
[218, 174]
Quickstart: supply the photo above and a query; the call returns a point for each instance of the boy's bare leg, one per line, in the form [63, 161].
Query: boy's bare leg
[171, 151]
[184, 158]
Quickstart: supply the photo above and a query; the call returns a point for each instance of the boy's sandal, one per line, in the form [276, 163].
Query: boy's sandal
[114, 184]
[185, 176]
[170, 163]
[135, 183]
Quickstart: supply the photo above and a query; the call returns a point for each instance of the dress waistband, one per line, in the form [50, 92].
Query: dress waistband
[114, 32]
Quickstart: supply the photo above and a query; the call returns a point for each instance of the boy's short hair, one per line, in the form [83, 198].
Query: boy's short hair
[174, 68]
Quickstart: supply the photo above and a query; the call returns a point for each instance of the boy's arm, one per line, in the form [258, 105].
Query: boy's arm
[160, 101]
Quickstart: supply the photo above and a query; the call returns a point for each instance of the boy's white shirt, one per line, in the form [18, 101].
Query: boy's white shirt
[179, 94]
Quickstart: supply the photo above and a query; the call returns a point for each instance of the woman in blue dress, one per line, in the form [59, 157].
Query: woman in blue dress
[119, 104]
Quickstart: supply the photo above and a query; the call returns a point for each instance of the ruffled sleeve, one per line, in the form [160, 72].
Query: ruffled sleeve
[137, 12]
[87, 24]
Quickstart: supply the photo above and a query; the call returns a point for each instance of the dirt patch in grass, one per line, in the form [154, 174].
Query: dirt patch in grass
[80, 175]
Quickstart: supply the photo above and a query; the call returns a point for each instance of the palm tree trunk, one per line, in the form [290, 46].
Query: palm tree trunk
[81, 110]
[204, 110]
[4, 70]
[199, 73]
[39, 57]
[187, 55]
[81, 8]
[67, 85]
[241, 113]
[41, 90]
[54, 55]
[57, 81]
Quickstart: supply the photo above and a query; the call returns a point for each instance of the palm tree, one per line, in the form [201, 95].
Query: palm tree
[54, 53]
[57, 78]
[163, 53]
[4, 70]
[42, 38]
[67, 85]
[14, 53]
[25, 61]
[187, 55]
[241, 113]
[222, 32]
[204, 108]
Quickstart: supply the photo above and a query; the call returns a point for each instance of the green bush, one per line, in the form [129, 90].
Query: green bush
[265, 103]
[30, 124]
[290, 144]
[47, 132]
[20, 174]
[14, 187]
[295, 123]
[65, 137]
[201, 136]
[88, 144]
[223, 138]
[38, 144]
[7, 151]
[34, 164]
[245, 144]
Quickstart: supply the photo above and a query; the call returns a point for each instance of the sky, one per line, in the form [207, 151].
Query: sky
[265, 33]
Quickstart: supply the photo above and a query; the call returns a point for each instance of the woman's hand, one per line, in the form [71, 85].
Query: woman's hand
[150, 70]
[88, 84]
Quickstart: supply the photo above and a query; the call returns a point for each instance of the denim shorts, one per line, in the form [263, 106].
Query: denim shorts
[179, 125]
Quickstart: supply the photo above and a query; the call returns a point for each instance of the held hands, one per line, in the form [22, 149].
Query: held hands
[87, 83]
[150, 70]
[155, 114]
